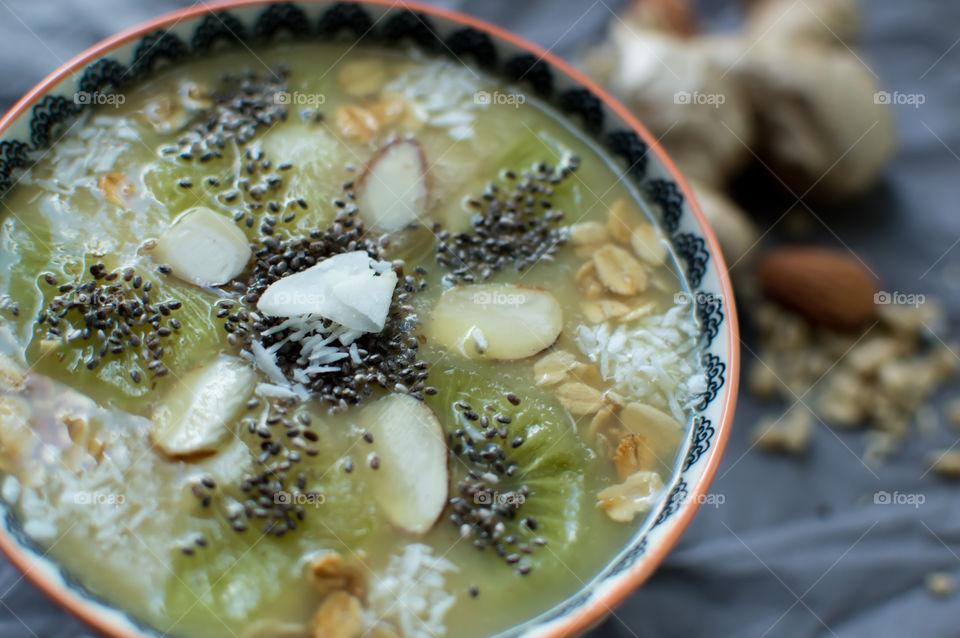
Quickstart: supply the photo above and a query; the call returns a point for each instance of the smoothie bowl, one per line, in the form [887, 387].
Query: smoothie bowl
[350, 319]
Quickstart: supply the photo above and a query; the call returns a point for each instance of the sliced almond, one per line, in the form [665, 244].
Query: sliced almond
[196, 416]
[579, 398]
[356, 123]
[411, 484]
[358, 78]
[637, 494]
[204, 248]
[647, 245]
[339, 616]
[661, 432]
[496, 321]
[553, 368]
[619, 271]
[623, 218]
[392, 192]
[588, 234]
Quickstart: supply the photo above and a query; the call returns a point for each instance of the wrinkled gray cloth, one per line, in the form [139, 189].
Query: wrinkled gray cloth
[797, 547]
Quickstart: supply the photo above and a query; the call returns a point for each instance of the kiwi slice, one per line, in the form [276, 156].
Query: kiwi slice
[120, 333]
[240, 568]
[516, 466]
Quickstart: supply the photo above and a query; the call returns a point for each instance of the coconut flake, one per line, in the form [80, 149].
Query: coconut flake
[345, 288]
[654, 359]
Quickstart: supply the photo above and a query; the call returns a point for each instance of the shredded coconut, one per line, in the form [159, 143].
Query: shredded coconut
[410, 595]
[653, 359]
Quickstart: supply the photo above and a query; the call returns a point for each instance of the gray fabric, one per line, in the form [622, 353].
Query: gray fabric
[798, 547]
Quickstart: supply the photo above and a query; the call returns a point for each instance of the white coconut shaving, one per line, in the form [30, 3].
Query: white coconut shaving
[444, 96]
[410, 597]
[350, 288]
[654, 359]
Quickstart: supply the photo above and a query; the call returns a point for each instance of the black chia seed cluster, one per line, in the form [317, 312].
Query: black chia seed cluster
[241, 105]
[273, 498]
[514, 224]
[483, 509]
[387, 359]
[113, 313]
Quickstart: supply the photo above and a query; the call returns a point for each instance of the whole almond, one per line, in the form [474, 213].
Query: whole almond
[829, 287]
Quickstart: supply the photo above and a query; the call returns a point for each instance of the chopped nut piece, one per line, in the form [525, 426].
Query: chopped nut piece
[17, 439]
[614, 398]
[940, 584]
[356, 123]
[624, 217]
[619, 271]
[330, 573]
[588, 234]
[842, 404]
[953, 413]
[946, 463]
[552, 368]
[587, 280]
[912, 320]
[637, 494]
[640, 311]
[13, 375]
[340, 616]
[632, 455]
[602, 309]
[647, 245]
[790, 434]
[390, 109]
[587, 373]
[602, 421]
[361, 77]
[868, 356]
[579, 398]
[117, 188]
[660, 431]
[945, 361]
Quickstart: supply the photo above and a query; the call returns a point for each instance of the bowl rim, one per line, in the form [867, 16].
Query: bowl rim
[602, 604]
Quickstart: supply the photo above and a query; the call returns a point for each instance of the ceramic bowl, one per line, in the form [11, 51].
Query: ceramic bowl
[37, 120]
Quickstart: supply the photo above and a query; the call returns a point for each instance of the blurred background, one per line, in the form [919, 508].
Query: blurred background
[823, 141]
